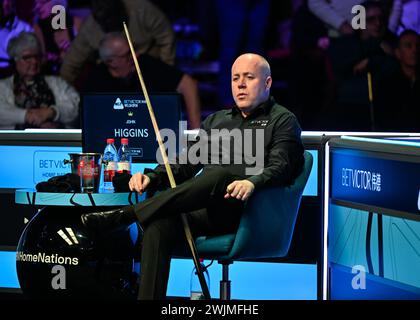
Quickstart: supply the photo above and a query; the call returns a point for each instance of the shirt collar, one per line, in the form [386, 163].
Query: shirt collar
[264, 107]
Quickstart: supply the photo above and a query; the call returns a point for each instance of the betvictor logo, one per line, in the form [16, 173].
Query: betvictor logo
[118, 105]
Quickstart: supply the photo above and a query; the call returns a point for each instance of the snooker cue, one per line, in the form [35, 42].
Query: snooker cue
[371, 110]
[186, 226]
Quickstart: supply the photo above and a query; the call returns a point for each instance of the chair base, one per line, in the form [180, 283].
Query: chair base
[225, 282]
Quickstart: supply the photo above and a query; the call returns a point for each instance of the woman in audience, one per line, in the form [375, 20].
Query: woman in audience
[30, 99]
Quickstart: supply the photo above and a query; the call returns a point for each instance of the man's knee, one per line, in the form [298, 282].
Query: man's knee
[218, 173]
[214, 180]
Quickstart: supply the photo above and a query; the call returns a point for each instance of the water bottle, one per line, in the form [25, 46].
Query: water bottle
[124, 157]
[110, 164]
[195, 287]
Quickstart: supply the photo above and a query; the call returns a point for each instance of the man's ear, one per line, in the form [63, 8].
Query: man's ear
[268, 83]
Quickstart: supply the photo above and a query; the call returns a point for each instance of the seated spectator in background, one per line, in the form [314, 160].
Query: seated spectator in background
[117, 73]
[337, 14]
[352, 57]
[398, 96]
[150, 31]
[54, 42]
[10, 26]
[29, 99]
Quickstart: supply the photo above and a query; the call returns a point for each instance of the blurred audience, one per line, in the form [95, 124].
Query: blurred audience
[242, 28]
[30, 99]
[352, 57]
[117, 73]
[311, 80]
[10, 26]
[54, 42]
[321, 68]
[149, 29]
[337, 14]
[397, 102]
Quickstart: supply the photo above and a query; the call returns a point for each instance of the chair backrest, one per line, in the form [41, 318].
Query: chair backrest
[267, 224]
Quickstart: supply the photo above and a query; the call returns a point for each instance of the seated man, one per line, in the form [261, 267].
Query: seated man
[214, 199]
[117, 73]
[149, 28]
[398, 95]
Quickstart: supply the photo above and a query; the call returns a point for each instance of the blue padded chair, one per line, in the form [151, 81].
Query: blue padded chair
[265, 230]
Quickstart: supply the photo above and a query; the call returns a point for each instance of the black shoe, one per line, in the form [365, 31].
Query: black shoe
[109, 220]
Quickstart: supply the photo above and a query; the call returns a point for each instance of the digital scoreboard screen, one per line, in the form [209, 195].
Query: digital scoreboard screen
[126, 116]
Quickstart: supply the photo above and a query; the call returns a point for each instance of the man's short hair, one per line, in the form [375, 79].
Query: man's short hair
[406, 33]
[104, 51]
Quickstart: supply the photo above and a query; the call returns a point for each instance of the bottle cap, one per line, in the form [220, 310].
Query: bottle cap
[124, 141]
[110, 140]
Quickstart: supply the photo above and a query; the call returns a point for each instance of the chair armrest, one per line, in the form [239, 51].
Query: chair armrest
[268, 221]
[267, 224]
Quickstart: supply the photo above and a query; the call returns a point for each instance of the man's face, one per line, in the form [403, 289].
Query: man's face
[250, 84]
[119, 64]
[29, 63]
[408, 50]
[375, 23]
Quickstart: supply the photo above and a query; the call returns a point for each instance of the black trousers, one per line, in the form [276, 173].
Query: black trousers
[202, 200]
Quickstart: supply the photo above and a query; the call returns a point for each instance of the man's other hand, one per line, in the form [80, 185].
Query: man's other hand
[139, 182]
[239, 189]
